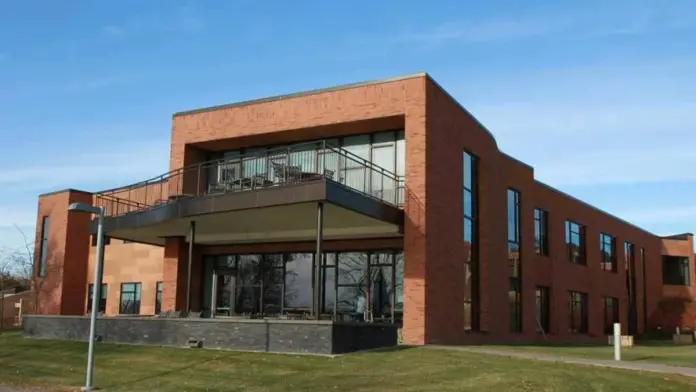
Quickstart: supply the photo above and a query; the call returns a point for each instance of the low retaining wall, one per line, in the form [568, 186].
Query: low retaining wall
[284, 336]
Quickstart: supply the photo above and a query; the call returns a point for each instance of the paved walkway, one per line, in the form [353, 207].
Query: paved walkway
[639, 366]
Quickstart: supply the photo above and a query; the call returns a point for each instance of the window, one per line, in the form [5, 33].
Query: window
[102, 298]
[514, 252]
[541, 239]
[130, 298]
[675, 270]
[385, 149]
[607, 245]
[611, 314]
[107, 240]
[542, 309]
[158, 297]
[575, 240]
[630, 265]
[578, 312]
[43, 255]
[470, 234]
[645, 290]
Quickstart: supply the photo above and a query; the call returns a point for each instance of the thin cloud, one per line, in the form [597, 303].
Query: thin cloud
[566, 25]
[112, 165]
[668, 214]
[181, 19]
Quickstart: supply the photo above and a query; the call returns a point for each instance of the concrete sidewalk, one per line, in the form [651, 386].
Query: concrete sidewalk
[638, 366]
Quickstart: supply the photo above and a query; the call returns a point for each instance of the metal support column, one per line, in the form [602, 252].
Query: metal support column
[318, 258]
[192, 239]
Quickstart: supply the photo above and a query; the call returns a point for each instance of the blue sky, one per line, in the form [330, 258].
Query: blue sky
[599, 96]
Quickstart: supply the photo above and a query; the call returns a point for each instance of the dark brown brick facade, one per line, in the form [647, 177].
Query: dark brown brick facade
[437, 131]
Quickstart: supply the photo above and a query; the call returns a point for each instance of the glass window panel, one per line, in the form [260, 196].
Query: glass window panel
[385, 258]
[400, 154]
[225, 291]
[352, 268]
[304, 157]
[248, 271]
[298, 281]
[247, 300]
[329, 289]
[254, 162]
[357, 146]
[468, 203]
[468, 230]
[399, 284]
[382, 138]
[467, 170]
[272, 298]
[351, 299]
[380, 290]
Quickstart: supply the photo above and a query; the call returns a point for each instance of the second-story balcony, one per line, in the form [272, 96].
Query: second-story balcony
[284, 166]
[267, 196]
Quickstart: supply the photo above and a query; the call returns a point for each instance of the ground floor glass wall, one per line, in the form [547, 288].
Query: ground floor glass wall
[354, 286]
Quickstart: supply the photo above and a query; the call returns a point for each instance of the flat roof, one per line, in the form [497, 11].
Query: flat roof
[302, 93]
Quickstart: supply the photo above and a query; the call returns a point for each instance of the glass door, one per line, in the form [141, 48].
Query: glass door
[225, 294]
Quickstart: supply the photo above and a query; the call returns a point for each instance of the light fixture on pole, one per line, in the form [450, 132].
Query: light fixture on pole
[96, 285]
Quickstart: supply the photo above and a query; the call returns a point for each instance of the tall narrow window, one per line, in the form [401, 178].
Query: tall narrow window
[607, 245]
[470, 232]
[158, 298]
[578, 312]
[102, 298]
[630, 265]
[542, 309]
[43, 255]
[130, 298]
[514, 295]
[645, 290]
[575, 241]
[541, 239]
[611, 314]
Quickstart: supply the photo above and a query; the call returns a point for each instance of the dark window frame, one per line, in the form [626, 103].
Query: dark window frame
[575, 228]
[541, 232]
[607, 247]
[678, 274]
[543, 308]
[137, 298]
[470, 176]
[578, 303]
[514, 258]
[327, 269]
[610, 318]
[103, 296]
[43, 246]
[159, 289]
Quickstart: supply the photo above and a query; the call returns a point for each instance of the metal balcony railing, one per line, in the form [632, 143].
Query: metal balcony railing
[254, 171]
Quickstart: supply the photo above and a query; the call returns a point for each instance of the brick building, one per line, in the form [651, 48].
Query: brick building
[419, 217]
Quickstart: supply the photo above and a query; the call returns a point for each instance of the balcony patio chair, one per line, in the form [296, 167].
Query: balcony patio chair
[175, 314]
[328, 174]
[193, 315]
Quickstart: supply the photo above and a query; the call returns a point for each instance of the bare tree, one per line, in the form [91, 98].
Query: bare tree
[21, 261]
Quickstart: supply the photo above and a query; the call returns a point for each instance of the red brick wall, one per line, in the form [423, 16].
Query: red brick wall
[450, 130]
[61, 290]
[355, 110]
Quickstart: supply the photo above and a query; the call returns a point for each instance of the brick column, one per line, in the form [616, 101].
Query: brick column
[174, 273]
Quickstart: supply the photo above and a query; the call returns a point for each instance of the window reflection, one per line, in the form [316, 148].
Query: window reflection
[353, 284]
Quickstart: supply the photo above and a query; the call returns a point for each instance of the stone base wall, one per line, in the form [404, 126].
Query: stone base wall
[283, 336]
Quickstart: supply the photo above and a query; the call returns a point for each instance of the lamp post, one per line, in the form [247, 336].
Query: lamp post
[96, 286]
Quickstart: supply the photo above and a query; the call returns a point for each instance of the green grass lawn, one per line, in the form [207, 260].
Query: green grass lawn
[60, 365]
[665, 353]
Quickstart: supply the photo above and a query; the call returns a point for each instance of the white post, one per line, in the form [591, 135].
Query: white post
[617, 341]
